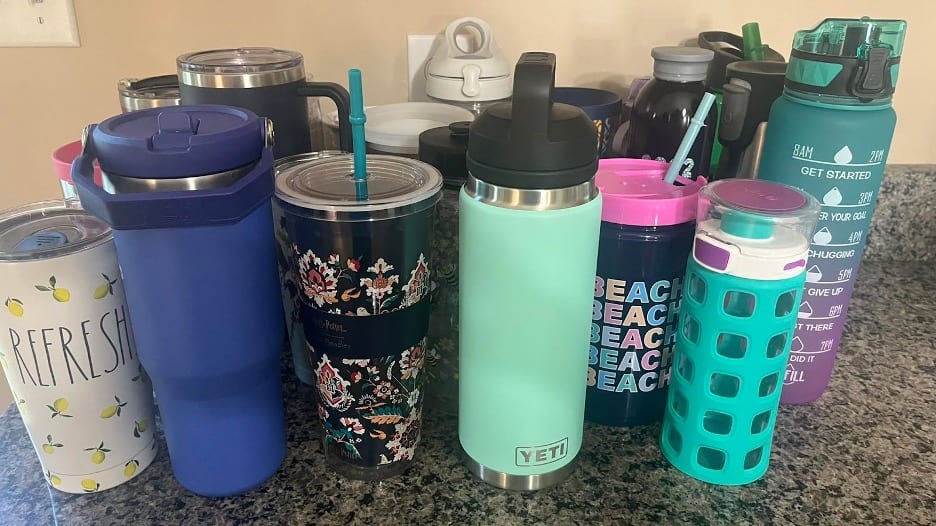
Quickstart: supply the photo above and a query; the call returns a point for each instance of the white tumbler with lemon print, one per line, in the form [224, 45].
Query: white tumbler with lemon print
[67, 348]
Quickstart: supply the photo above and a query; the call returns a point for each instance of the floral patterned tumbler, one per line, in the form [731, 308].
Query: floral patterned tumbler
[363, 274]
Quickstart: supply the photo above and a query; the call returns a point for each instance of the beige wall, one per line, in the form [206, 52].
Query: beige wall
[48, 95]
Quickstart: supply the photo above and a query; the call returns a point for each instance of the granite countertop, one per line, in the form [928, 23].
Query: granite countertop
[864, 453]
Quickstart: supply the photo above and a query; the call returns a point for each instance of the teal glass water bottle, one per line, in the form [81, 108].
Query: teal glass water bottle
[528, 246]
[829, 135]
[743, 282]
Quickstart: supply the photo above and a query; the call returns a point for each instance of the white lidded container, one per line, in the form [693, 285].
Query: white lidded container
[471, 73]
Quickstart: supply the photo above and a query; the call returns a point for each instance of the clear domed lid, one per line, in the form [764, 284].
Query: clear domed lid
[325, 188]
[48, 229]
[240, 67]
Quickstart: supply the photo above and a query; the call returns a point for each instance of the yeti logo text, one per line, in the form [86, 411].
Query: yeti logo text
[539, 455]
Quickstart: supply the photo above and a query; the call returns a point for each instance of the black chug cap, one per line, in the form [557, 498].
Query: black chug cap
[867, 78]
[532, 142]
[728, 48]
[445, 148]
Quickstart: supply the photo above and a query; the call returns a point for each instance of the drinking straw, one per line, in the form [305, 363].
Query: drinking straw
[358, 118]
[753, 48]
[698, 120]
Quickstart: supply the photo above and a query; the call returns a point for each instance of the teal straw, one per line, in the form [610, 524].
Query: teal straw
[698, 120]
[358, 118]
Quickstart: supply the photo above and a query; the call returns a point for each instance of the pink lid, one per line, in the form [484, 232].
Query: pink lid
[633, 193]
[62, 161]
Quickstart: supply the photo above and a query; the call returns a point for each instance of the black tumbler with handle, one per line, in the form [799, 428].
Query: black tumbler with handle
[270, 82]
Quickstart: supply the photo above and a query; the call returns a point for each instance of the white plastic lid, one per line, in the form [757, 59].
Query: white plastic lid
[754, 229]
[457, 74]
[395, 128]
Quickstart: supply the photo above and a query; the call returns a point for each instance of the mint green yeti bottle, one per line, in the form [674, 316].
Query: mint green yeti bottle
[529, 222]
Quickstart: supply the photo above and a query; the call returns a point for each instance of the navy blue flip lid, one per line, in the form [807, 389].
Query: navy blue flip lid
[178, 141]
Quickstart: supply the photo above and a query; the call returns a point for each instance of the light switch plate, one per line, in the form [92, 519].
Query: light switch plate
[38, 23]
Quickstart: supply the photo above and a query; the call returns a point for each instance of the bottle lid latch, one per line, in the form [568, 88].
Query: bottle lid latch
[871, 77]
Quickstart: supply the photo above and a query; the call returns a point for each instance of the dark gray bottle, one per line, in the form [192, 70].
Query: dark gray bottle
[665, 106]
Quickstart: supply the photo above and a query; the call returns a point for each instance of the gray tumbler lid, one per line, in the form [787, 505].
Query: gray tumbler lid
[48, 229]
[680, 63]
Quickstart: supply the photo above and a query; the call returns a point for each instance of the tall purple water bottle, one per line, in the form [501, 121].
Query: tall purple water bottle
[829, 135]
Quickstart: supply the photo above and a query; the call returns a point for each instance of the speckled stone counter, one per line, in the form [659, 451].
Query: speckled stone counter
[865, 453]
[904, 224]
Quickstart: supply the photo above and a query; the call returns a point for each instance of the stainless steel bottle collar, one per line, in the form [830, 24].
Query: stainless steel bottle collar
[531, 199]
[242, 80]
[240, 68]
[153, 92]
[121, 184]
[520, 482]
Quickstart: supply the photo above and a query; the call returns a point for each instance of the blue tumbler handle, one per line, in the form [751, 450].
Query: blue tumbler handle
[134, 211]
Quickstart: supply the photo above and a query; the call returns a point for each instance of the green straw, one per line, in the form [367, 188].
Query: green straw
[698, 120]
[358, 118]
[753, 47]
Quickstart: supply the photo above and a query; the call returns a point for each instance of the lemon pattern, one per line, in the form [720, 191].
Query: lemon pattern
[106, 288]
[99, 453]
[89, 485]
[59, 294]
[94, 435]
[139, 428]
[49, 446]
[53, 479]
[58, 408]
[141, 375]
[112, 410]
[131, 467]
[15, 307]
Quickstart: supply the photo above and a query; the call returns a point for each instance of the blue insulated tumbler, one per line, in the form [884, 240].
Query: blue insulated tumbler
[187, 191]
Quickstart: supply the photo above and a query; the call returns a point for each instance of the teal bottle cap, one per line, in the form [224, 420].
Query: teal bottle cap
[855, 59]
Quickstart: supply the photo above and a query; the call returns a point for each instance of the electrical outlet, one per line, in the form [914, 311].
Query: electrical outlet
[419, 49]
[38, 23]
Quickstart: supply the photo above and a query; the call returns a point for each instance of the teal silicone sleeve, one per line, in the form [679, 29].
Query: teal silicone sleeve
[526, 281]
[729, 364]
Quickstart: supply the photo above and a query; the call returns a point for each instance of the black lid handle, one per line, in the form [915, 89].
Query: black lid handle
[534, 78]
[342, 99]
[735, 100]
